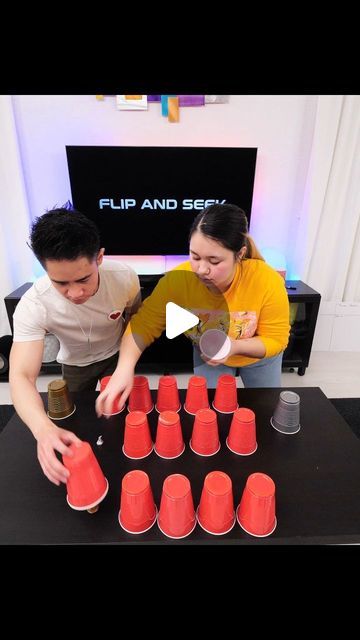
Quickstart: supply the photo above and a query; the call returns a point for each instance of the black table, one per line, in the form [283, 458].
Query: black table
[316, 472]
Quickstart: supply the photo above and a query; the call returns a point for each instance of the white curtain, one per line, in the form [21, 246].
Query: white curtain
[15, 256]
[328, 238]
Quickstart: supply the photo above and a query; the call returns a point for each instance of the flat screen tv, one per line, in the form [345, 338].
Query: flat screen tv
[144, 199]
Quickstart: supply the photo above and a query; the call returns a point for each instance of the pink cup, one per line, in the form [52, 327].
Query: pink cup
[256, 511]
[215, 344]
[168, 395]
[86, 485]
[176, 517]
[169, 439]
[137, 437]
[137, 507]
[115, 408]
[196, 395]
[242, 435]
[216, 513]
[205, 434]
[225, 400]
[140, 396]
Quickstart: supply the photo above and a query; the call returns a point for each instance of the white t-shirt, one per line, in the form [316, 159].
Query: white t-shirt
[88, 332]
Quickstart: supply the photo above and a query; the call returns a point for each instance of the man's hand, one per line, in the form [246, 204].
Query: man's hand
[49, 440]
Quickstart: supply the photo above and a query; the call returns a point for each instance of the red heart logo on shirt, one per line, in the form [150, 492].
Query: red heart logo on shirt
[115, 315]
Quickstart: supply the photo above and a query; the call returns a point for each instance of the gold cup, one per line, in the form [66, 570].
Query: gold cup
[60, 404]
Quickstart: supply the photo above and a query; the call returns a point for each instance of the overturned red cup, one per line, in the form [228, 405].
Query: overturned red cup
[256, 511]
[205, 434]
[115, 408]
[242, 434]
[169, 441]
[167, 395]
[216, 512]
[140, 396]
[225, 400]
[137, 436]
[176, 517]
[137, 507]
[196, 395]
[86, 485]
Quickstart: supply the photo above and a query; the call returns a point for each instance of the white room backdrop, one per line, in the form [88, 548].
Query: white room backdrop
[306, 202]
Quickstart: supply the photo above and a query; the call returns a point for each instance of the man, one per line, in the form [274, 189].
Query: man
[86, 303]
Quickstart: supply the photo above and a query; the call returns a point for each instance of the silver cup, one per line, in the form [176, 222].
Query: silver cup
[286, 418]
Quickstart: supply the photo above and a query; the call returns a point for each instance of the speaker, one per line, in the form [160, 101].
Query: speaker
[5, 346]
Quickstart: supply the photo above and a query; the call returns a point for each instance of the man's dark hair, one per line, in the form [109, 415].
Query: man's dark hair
[63, 234]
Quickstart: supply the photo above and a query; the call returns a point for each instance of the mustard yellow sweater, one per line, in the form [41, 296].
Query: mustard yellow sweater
[255, 305]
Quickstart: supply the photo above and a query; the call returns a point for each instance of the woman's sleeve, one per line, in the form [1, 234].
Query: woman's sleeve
[150, 320]
[273, 326]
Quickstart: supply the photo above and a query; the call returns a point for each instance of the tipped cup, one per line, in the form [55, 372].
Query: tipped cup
[225, 400]
[215, 344]
[137, 507]
[140, 396]
[60, 403]
[137, 437]
[216, 512]
[286, 418]
[167, 395]
[115, 408]
[256, 511]
[205, 434]
[242, 434]
[176, 517]
[196, 395]
[86, 485]
[169, 439]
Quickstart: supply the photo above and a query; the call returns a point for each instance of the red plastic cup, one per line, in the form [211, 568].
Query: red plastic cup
[140, 396]
[216, 512]
[137, 437]
[196, 395]
[225, 400]
[242, 435]
[256, 511]
[169, 441]
[137, 507]
[176, 517]
[205, 434]
[168, 395]
[115, 408]
[86, 485]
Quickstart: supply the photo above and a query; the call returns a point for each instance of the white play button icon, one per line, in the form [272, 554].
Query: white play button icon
[178, 320]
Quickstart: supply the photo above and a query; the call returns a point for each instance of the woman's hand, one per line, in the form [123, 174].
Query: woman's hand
[118, 389]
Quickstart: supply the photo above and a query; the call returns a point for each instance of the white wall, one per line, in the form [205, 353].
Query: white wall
[303, 142]
[281, 127]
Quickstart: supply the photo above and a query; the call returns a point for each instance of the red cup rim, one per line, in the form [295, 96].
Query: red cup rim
[215, 533]
[205, 455]
[238, 452]
[221, 410]
[137, 532]
[256, 535]
[176, 537]
[137, 457]
[92, 504]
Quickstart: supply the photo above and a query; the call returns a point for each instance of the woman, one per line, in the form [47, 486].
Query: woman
[227, 284]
